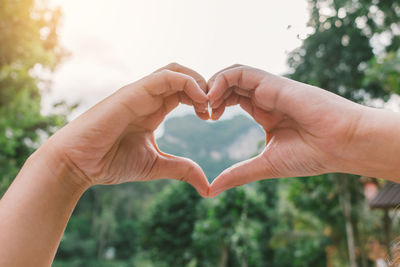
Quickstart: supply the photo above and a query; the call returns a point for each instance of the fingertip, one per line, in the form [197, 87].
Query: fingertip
[214, 117]
[182, 169]
[203, 115]
[206, 195]
[214, 192]
[217, 113]
[202, 110]
[216, 186]
[203, 192]
[200, 182]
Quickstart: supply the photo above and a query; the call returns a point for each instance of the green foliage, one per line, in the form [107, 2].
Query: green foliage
[335, 56]
[167, 232]
[77, 242]
[269, 223]
[237, 227]
[127, 239]
[28, 41]
[384, 72]
[29, 34]
[267, 214]
[81, 262]
[217, 234]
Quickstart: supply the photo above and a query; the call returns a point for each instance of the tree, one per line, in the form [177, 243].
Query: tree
[29, 42]
[215, 236]
[167, 230]
[237, 227]
[384, 72]
[267, 214]
[347, 35]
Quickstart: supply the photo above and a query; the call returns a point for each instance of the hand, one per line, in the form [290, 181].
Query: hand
[309, 131]
[113, 142]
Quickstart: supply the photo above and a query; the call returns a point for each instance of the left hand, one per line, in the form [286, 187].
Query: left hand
[309, 131]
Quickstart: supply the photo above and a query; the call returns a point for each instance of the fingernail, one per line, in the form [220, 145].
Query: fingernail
[214, 193]
[213, 117]
[204, 194]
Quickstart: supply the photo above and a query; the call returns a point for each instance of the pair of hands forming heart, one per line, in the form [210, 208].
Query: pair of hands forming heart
[308, 129]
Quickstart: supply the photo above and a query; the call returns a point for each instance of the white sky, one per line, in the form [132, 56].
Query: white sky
[113, 43]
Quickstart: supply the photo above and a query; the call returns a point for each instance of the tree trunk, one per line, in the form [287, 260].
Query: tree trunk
[387, 229]
[223, 261]
[345, 203]
[350, 233]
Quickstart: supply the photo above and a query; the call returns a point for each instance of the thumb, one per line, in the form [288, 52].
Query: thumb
[244, 172]
[182, 169]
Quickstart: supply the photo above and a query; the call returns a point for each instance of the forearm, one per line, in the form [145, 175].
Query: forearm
[375, 148]
[35, 210]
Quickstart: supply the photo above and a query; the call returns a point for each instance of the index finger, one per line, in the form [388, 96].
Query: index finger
[242, 77]
[200, 110]
[166, 82]
[185, 70]
[212, 79]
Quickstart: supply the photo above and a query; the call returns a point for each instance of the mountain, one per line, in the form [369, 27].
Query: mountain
[213, 145]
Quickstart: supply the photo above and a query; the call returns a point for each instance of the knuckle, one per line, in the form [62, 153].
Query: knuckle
[200, 81]
[224, 78]
[166, 75]
[189, 80]
[191, 167]
[165, 72]
[173, 66]
[236, 65]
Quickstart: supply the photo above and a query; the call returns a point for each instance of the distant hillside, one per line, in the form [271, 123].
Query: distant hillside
[213, 145]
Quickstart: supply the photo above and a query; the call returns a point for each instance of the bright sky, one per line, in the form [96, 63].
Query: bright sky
[113, 43]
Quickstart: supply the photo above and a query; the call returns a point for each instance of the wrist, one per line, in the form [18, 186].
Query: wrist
[56, 166]
[375, 147]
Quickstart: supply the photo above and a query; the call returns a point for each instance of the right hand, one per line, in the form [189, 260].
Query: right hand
[309, 131]
[114, 142]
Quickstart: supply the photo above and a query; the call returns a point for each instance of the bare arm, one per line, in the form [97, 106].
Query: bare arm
[35, 210]
[111, 143]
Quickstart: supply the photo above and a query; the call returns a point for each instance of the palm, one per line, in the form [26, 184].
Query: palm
[304, 130]
[136, 156]
[309, 135]
[291, 150]
[114, 141]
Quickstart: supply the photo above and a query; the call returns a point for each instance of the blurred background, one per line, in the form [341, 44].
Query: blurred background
[57, 58]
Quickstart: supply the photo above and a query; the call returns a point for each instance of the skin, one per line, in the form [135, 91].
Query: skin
[309, 131]
[111, 143]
